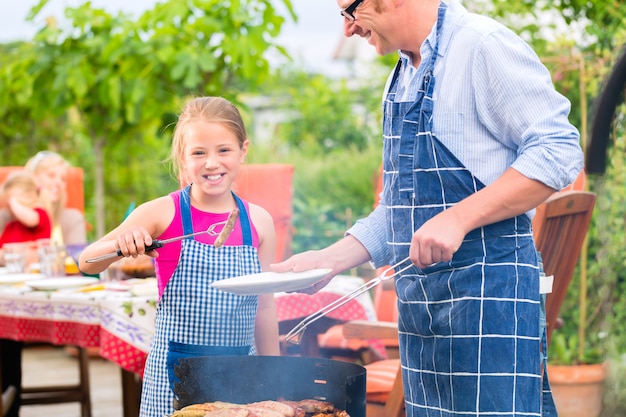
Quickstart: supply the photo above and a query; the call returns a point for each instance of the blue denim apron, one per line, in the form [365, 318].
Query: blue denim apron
[195, 319]
[469, 328]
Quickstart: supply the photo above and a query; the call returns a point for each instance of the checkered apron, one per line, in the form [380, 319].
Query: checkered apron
[469, 328]
[194, 319]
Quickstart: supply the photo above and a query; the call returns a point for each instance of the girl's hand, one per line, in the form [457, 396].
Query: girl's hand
[133, 242]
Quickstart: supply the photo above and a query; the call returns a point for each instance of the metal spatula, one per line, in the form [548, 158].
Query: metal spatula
[295, 335]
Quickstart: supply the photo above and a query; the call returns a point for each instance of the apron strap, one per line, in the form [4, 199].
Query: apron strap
[246, 229]
[185, 210]
[185, 214]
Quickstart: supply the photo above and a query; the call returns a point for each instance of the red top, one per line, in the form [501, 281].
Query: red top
[15, 232]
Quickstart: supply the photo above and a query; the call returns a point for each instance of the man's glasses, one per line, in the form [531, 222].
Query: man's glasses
[348, 12]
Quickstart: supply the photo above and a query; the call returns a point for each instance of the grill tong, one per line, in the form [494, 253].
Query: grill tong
[295, 335]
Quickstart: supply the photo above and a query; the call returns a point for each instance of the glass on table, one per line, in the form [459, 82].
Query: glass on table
[51, 258]
[15, 256]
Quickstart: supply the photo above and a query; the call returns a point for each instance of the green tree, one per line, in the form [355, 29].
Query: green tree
[601, 18]
[115, 81]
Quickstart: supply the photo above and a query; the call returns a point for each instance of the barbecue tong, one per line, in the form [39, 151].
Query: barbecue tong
[295, 335]
[228, 224]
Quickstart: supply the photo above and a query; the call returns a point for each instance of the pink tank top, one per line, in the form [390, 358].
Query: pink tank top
[169, 254]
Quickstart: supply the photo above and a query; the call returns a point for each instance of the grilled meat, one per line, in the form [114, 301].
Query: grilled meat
[229, 412]
[304, 408]
[316, 407]
[228, 228]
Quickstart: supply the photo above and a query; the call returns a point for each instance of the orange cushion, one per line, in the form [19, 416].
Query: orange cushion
[380, 378]
[333, 339]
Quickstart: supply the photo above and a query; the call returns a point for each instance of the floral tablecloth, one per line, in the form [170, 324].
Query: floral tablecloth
[122, 323]
[119, 322]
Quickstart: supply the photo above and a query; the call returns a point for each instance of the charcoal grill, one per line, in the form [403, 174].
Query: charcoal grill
[247, 379]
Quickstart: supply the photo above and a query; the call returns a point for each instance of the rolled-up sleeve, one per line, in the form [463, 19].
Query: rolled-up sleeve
[370, 232]
[519, 105]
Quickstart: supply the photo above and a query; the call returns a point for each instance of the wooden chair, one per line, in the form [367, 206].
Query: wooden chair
[384, 390]
[72, 393]
[560, 227]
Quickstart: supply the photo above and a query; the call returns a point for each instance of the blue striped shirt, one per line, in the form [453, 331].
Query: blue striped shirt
[495, 108]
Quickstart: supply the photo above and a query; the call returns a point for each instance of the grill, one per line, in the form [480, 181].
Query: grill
[247, 379]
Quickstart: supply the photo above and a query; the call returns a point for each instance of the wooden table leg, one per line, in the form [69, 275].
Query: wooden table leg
[131, 393]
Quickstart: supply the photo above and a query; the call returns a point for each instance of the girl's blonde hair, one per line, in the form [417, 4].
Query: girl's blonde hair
[42, 161]
[207, 109]
[24, 181]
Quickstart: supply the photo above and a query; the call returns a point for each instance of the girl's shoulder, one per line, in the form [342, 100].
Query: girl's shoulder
[260, 217]
[155, 215]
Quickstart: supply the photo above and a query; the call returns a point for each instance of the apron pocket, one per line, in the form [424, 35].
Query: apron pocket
[177, 351]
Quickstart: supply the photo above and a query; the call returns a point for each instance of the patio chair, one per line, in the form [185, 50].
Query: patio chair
[384, 390]
[560, 226]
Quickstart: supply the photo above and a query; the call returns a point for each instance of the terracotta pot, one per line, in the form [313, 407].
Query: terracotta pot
[578, 389]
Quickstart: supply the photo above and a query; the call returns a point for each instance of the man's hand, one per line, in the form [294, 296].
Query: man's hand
[306, 261]
[437, 240]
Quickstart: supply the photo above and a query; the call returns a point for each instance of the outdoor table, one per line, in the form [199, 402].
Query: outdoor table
[122, 324]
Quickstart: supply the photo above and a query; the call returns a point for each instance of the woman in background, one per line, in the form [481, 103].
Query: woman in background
[50, 172]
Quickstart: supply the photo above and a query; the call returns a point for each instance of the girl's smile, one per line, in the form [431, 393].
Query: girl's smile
[213, 155]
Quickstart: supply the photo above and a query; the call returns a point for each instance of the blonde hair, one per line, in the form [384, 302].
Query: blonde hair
[207, 109]
[24, 181]
[43, 161]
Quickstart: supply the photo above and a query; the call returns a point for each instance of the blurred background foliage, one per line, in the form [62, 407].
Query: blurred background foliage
[105, 90]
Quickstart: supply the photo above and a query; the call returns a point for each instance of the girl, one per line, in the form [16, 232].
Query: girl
[193, 318]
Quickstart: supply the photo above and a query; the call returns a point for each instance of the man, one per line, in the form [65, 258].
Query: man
[475, 137]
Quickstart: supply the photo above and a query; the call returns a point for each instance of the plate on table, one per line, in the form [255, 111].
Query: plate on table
[10, 279]
[270, 282]
[61, 283]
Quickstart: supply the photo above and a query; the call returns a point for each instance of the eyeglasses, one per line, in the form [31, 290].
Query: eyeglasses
[348, 12]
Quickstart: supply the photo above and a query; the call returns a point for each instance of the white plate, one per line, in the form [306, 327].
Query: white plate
[61, 283]
[269, 282]
[19, 278]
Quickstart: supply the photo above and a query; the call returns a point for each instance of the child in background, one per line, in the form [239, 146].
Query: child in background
[22, 221]
[195, 319]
